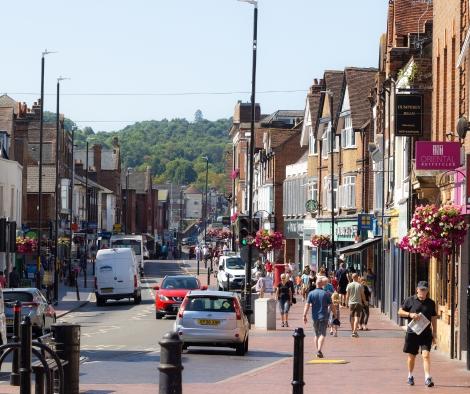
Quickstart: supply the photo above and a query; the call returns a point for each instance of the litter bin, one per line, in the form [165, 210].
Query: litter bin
[265, 313]
[278, 271]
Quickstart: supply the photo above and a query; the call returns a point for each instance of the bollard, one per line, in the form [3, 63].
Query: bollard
[298, 375]
[25, 356]
[198, 267]
[208, 276]
[170, 381]
[14, 376]
[76, 286]
[67, 338]
[228, 281]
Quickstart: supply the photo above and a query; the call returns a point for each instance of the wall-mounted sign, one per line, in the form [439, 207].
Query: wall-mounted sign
[365, 221]
[432, 155]
[409, 115]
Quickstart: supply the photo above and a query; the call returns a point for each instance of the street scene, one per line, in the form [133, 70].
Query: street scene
[267, 195]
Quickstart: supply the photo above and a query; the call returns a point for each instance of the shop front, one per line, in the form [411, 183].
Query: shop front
[310, 254]
[294, 235]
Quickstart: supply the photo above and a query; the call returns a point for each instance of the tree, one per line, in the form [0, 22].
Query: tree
[198, 117]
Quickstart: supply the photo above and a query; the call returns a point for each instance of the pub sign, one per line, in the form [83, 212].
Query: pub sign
[409, 115]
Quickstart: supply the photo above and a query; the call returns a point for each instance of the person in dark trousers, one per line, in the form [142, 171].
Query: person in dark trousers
[414, 308]
[14, 278]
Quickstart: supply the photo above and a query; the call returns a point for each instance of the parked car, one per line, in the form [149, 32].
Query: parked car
[117, 276]
[213, 318]
[33, 304]
[170, 294]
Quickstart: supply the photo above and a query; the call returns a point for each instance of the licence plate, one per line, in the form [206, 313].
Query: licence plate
[107, 290]
[208, 322]
[10, 321]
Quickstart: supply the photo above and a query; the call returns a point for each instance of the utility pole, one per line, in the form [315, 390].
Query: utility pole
[332, 160]
[87, 215]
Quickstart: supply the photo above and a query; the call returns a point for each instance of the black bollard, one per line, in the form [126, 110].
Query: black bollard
[228, 281]
[170, 368]
[298, 375]
[208, 276]
[14, 376]
[67, 338]
[25, 356]
[76, 286]
[198, 267]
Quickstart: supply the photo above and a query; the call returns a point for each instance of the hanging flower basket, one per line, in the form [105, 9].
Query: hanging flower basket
[63, 241]
[219, 233]
[235, 173]
[266, 240]
[321, 241]
[434, 230]
[234, 217]
[26, 245]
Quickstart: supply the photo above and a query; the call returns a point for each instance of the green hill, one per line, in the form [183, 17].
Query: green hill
[173, 149]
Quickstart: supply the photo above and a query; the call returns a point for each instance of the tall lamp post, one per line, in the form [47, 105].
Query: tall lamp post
[205, 205]
[41, 127]
[252, 153]
[128, 170]
[72, 174]
[57, 191]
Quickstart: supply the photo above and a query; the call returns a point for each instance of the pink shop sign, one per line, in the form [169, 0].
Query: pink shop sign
[434, 155]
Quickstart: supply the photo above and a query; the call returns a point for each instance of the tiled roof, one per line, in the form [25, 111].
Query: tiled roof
[80, 157]
[48, 152]
[6, 119]
[360, 81]
[334, 81]
[7, 101]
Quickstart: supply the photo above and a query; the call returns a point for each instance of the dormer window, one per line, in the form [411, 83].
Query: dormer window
[348, 138]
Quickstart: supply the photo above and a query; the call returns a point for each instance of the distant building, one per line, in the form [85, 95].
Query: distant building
[193, 203]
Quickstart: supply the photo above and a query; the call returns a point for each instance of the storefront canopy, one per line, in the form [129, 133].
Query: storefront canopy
[358, 247]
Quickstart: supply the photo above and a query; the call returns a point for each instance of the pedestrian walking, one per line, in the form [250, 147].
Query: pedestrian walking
[365, 308]
[415, 308]
[355, 299]
[334, 321]
[305, 283]
[342, 278]
[319, 300]
[3, 280]
[14, 278]
[284, 298]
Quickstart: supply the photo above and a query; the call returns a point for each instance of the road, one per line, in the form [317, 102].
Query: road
[120, 341]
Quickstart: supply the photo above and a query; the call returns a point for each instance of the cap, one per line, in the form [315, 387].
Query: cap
[422, 285]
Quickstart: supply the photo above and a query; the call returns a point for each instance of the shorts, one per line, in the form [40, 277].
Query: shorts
[342, 289]
[319, 327]
[284, 307]
[414, 342]
[355, 310]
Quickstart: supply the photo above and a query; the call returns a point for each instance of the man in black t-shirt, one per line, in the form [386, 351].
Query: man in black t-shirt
[412, 309]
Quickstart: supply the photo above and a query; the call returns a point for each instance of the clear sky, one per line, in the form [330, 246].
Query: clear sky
[179, 46]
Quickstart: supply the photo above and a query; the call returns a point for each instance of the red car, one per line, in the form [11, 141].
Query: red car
[170, 294]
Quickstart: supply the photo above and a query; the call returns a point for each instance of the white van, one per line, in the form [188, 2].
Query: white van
[136, 242]
[117, 276]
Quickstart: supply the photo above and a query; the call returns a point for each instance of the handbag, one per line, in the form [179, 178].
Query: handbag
[294, 301]
[336, 322]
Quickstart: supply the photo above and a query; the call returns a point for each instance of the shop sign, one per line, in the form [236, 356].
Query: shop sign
[432, 155]
[365, 221]
[346, 231]
[409, 115]
[293, 229]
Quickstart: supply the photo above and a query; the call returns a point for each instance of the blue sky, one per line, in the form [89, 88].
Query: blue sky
[178, 46]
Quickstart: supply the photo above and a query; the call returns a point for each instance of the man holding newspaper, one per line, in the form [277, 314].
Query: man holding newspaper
[420, 311]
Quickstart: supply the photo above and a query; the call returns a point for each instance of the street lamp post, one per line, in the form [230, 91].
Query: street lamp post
[72, 174]
[41, 127]
[57, 191]
[252, 153]
[128, 170]
[205, 205]
[332, 179]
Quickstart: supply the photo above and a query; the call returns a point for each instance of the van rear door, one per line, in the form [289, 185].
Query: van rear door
[124, 274]
[105, 275]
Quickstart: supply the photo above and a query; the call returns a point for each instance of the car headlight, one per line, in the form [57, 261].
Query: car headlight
[163, 298]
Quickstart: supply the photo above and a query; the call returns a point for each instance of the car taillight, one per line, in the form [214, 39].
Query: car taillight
[238, 310]
[135, 281]
[182, 307]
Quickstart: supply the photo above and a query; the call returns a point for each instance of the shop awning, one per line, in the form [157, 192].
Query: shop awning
[358, 247]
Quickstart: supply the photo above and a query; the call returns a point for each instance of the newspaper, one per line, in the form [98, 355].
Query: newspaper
[418, 326]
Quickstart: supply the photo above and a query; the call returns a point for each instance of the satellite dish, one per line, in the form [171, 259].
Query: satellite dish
[463, 126]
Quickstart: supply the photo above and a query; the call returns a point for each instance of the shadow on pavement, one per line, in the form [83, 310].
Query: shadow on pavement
[231, 352]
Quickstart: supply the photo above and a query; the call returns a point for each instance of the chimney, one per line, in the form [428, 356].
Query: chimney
[97, 160]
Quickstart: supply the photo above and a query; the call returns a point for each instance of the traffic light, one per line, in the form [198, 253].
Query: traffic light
[243, 230]
[256, 226]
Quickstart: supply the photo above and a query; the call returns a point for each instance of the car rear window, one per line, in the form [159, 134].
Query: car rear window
[180, 283]
[12, 296]
[210, 304]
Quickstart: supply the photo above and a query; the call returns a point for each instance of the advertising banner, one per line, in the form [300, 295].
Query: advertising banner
[435, 155]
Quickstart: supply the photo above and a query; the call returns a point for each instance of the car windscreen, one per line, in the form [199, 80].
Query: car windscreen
[180, 283]
[210, 304]
[13, 296]
[128, 243]
[235, 263]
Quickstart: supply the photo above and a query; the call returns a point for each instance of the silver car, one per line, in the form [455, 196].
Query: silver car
[213, 318]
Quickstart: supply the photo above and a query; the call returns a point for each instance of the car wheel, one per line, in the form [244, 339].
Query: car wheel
[240, 349]
[159, 315]
[246, 345]
[137, 300]
[100, 301]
